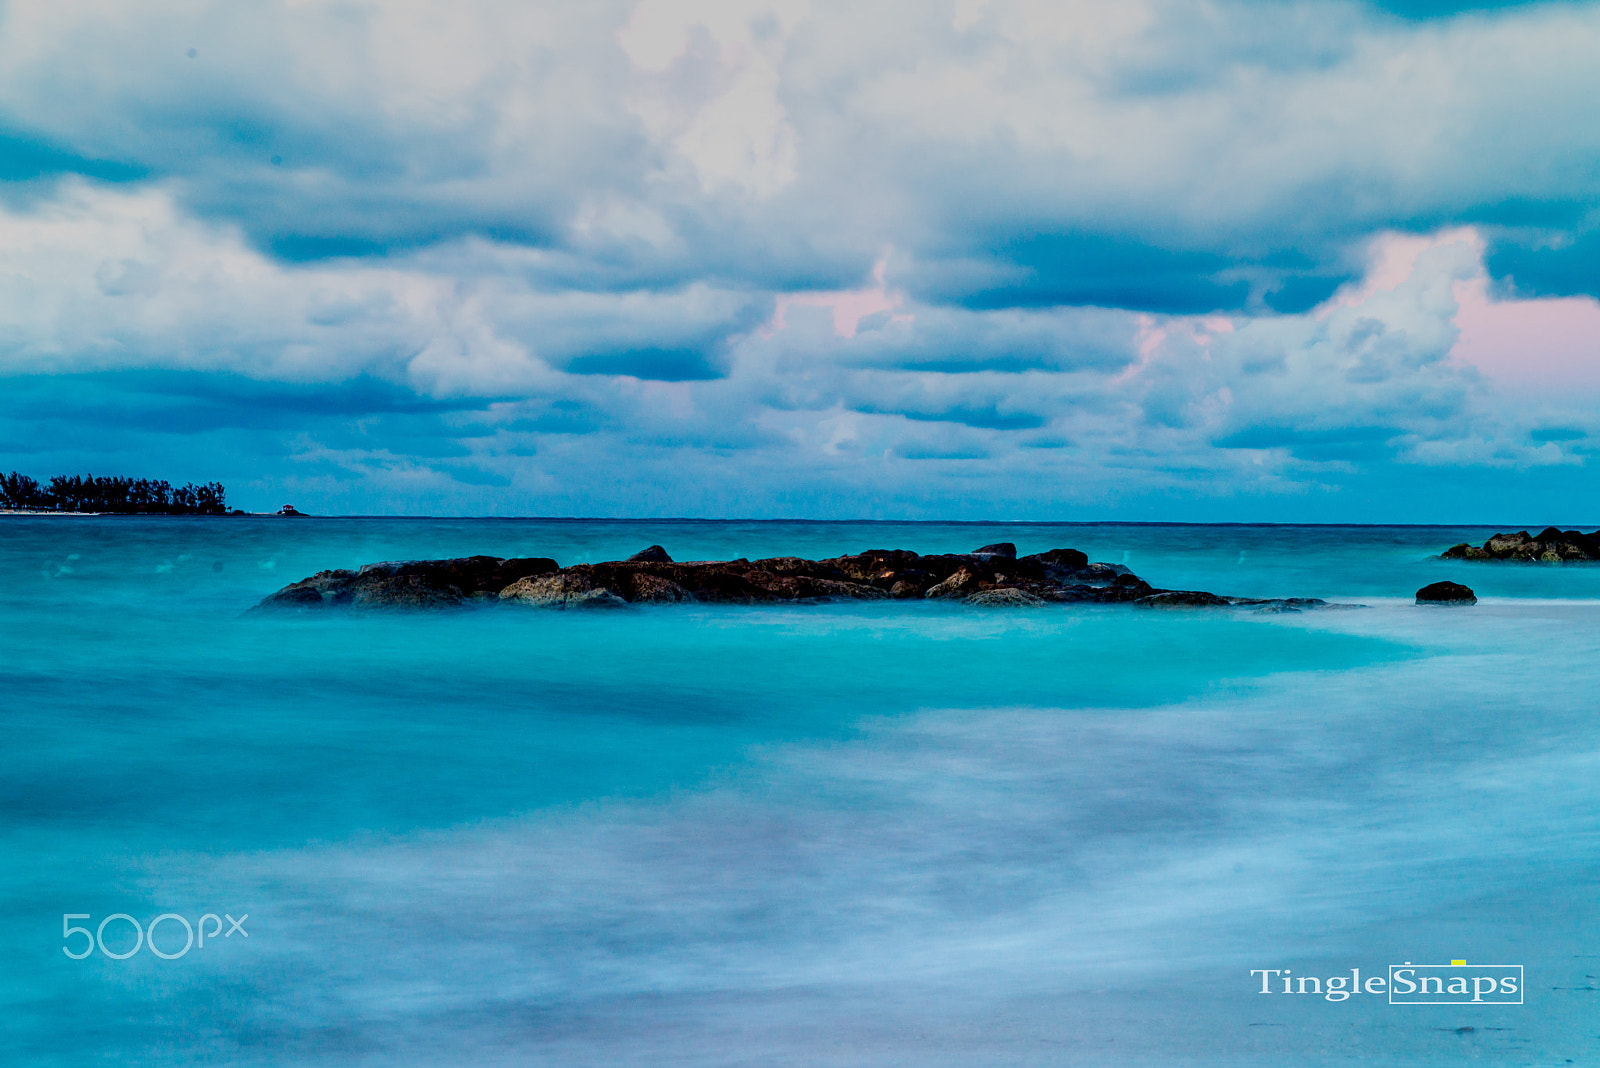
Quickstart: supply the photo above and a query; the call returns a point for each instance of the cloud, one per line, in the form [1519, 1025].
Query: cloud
[711, 72]
[105, 279]
[742, 257]
[1437, 9]
[1163, 155]
[454, 375]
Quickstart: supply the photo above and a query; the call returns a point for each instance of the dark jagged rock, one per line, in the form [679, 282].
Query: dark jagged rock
[1072, 567]
[1550, 546]
[471, 574]
[963, 583]
[1063, 558]
[320, 590]
[999, 548]
[994, 578]
[410, 583]
[1446, 593]
[300, 595]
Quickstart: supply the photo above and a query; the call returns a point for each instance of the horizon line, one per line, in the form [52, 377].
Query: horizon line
[792, 521]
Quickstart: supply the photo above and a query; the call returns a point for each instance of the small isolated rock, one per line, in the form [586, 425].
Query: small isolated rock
[999, 548]
[1446, 593]
[1006, 598]
[653, 555]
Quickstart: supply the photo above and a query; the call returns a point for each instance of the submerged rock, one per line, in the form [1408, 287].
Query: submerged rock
[1446, 593]
[1281, 605]
[594, 599]
[1182, 599]
[1006, 598]
[994, 576]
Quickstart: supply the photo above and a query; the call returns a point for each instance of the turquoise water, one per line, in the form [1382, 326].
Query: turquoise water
[865, 834]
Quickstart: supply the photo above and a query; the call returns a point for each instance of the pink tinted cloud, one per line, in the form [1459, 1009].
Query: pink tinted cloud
[1198, 331]
[1536, 345]
[850, 306]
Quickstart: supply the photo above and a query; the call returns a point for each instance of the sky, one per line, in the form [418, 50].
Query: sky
[1159, 260]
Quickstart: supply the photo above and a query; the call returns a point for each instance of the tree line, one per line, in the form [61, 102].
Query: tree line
[90, 493]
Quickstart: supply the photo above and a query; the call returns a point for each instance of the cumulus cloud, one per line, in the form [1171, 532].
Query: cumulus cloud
[1161, 154]
[752, 256]
[420, 375]
[103, 279]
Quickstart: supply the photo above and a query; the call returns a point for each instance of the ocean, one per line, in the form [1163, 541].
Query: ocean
[864, 834]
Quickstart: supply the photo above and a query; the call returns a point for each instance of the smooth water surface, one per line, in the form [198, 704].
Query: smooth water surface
[861, 834]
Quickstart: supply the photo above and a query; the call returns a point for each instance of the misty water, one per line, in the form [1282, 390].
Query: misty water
[907, 834]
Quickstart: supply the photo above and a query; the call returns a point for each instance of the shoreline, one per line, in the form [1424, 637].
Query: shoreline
[159, 515]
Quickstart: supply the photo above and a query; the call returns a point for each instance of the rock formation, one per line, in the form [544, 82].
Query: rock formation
[1551, 546]
[993, 575]
[410, 584]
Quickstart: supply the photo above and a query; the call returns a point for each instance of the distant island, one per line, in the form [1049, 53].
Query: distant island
[121, 496]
